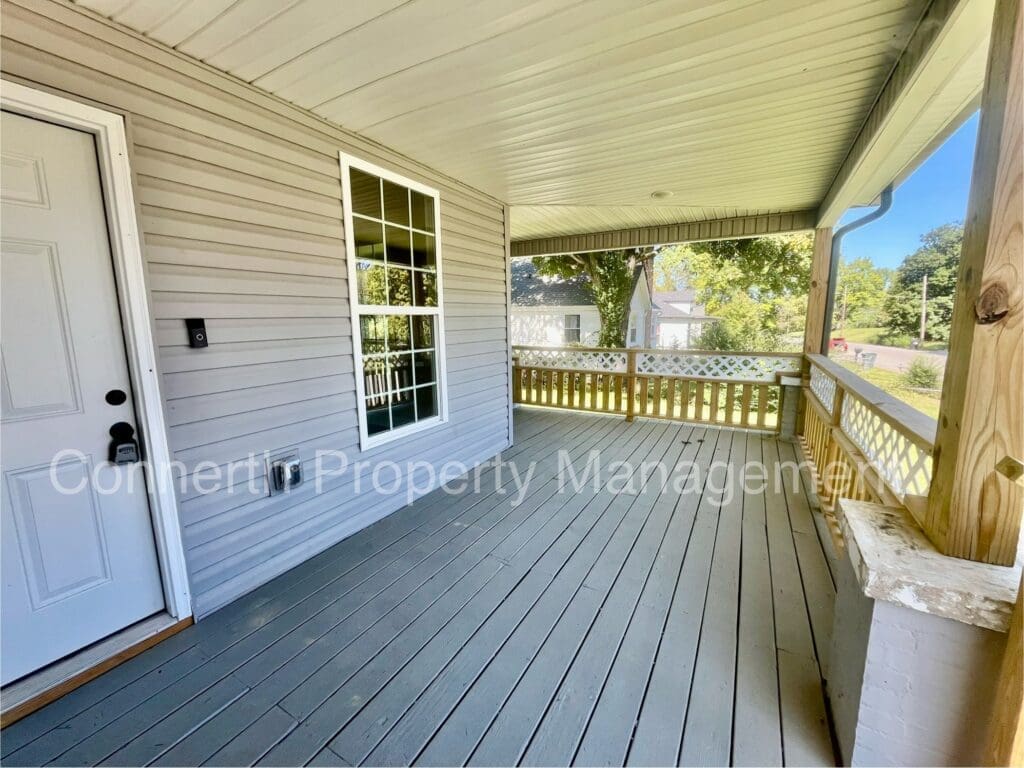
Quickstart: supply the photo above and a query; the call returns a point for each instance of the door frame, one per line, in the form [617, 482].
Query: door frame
[108, 128]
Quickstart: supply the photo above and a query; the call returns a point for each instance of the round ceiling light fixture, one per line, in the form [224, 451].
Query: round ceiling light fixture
[661, 194]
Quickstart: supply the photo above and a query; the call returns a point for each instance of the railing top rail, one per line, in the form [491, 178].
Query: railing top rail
[910, 422]
[657, 351]
[679, 377]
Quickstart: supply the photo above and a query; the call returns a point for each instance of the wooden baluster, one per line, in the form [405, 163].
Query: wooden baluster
[833, 453]
[630, 385]
[670, 396]
[605, 390]
[745, 405]
[730, 403]
[714, 402]
[762, 404]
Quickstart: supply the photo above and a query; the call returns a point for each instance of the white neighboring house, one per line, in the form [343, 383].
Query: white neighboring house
[553, 312]
[679, 320]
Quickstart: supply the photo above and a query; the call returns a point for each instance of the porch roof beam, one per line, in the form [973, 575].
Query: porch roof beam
[683, 232]
[933, 84]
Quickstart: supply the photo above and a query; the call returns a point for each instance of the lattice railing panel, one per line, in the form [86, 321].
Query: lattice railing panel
[575, 359]
[824, 388]
[725, 367]
[904, 465]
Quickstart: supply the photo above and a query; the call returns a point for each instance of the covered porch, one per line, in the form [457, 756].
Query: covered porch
[854, 600]
[681, 621]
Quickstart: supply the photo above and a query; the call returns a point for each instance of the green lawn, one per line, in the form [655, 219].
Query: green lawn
[893, 384]
[879, 336]
[862, 335]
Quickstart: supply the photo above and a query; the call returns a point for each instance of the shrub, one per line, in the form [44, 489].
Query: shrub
[922, 374]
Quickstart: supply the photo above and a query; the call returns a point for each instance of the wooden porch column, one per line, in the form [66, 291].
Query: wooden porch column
[976, 499]
[817, 296]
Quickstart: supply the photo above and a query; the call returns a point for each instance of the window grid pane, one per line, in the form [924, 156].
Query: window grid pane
[396, 267]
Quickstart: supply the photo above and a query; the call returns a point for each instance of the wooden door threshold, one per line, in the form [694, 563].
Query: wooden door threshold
[35, 691]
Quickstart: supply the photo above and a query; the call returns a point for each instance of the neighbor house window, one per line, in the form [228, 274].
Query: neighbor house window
[394, 257]
[572, 329]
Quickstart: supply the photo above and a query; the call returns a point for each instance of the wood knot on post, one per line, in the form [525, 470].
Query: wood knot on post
[993, 304]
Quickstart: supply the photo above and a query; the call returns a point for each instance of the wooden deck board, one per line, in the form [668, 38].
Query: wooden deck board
[607, 737]
[575, 626]
[707, 735]
[546, 589]
[757, 738]
[659, 728]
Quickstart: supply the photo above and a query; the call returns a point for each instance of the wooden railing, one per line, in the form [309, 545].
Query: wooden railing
[863, 443]
[731, 389]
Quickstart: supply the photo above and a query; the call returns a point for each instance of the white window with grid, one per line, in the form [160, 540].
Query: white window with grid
[572, 329]
[392, 227]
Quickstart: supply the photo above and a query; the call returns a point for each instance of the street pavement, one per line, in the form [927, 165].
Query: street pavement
[895, 359]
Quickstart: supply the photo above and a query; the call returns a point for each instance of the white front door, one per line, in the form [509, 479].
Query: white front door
[79, 560]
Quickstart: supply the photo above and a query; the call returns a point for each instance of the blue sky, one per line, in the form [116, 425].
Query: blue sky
[935, 194]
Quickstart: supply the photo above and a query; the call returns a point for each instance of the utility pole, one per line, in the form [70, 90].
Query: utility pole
[924, 306]
[842, 320]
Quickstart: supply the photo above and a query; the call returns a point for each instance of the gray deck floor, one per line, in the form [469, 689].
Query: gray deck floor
[576, 627]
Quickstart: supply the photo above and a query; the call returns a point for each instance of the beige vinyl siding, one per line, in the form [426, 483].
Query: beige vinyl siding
[240, 204]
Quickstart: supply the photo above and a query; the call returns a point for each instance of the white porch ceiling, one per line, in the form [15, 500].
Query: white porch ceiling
[573, 111]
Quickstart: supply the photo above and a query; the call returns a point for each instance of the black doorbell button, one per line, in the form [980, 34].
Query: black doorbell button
[196, 332]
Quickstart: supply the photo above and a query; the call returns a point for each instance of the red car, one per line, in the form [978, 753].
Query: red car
[839, 343]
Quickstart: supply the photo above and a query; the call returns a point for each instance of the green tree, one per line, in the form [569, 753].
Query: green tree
[756, 287]
[610, 281]
[777, 265]
[939, 259]
[671, 267]
[744, 323]
[860, 294]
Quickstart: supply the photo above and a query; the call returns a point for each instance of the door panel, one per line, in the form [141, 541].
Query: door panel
[79, 560]
[39, 378]
[60, 536]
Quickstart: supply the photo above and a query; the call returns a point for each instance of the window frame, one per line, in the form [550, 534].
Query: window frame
[566, 328]
[356, 309]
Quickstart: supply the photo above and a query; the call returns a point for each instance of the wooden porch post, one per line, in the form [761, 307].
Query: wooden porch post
[976, 499]
[817, 296]
[631, 388]
[817, 305]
